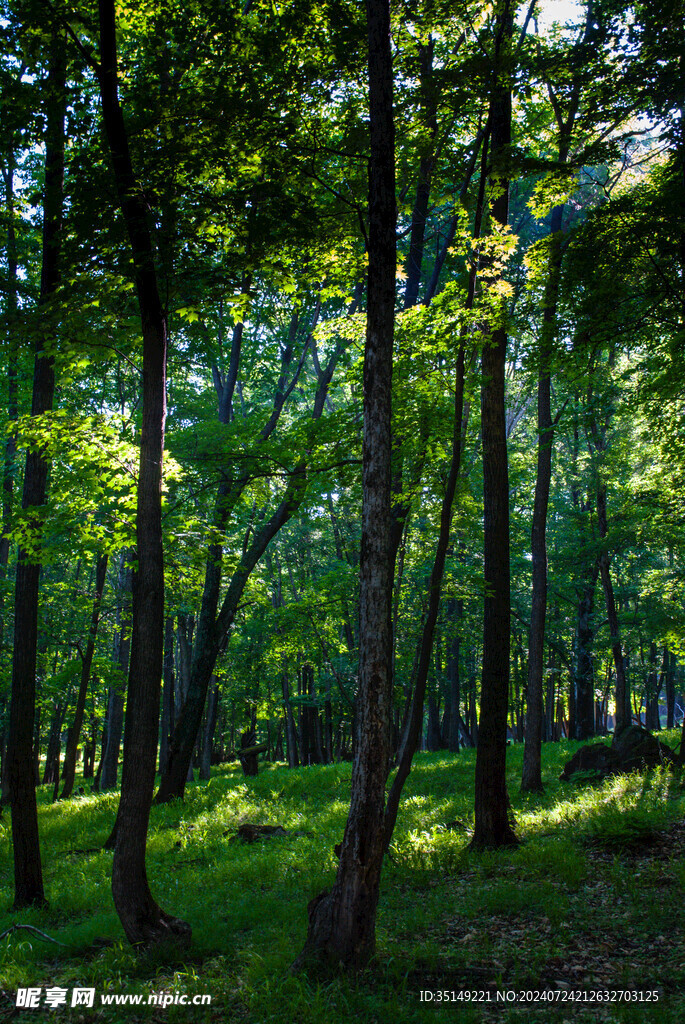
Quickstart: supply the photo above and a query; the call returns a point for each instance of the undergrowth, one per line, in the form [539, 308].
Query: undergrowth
[588, 900]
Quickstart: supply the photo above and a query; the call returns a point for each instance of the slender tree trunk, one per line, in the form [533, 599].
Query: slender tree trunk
[342, 923]
[51, 772]
[11, 315]
[623, 715]
[492, 810]
[532, 753]
[290, 730]
[69, 772]
[167, 694]
[455, 612]
[11, 306]
[669, 660]
[208, 741]
[142, 919]
[583, 681]
[122, 650]
[654, 687]
[28, 877]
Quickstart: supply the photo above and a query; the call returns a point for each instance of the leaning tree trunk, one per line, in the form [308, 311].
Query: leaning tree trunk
[69, 771]
[28, 876]
[492, 813]
[342, 923]
[142, 919]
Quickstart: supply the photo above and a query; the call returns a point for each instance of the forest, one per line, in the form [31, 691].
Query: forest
[342, 563]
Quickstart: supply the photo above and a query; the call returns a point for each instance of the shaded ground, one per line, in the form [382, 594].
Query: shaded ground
[590, 901]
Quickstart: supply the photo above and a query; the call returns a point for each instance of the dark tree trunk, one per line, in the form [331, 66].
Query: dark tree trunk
[473, 711]
[9, 467]
[342, 923]
[51, 773]
[492, 810]
[208, 740]
[623, 715]
[186, 628]
[290, 730]
[142, 919]
[103, 747]
[455, 609]
[69, 772]
[28, 876]
[583, 683]
[167, 694]
[122, 650]
[433, 733]
[654, 687]
[328, 724]
[670, 688]
[11, 318]
[531, 780]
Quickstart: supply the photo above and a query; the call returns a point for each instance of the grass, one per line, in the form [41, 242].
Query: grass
[590, 900]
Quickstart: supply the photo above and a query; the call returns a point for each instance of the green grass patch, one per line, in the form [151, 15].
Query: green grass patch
[589, 900]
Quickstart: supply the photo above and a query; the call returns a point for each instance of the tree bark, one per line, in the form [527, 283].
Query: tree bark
[654, 687]
[28, 877]
[531, 780]
[669, 660]
[208, 740]
[492, 810]
[341, 928]
[167, 723]
[69, 772]
[121, 654]
[142, 919]
[290, 730]
[583, 725]
[455, 608]
[623, 714]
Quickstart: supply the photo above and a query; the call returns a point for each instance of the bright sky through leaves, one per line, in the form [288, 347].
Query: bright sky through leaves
[550, 11]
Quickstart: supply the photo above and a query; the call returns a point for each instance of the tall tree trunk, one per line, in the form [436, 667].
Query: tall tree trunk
[290, 730]
[11, 306]
[51, 772]
[455, 611]
[492, 810]
[142, 919]
[167, 723]
[623, 714]
[531, 780]
[28, 877]
[122, 650]
[342, 923]
[69, 772]
[208, 739]
[654, 687]
[669, 660]
[583, 681]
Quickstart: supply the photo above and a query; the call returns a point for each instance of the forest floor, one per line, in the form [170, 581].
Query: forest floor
[587, 911]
